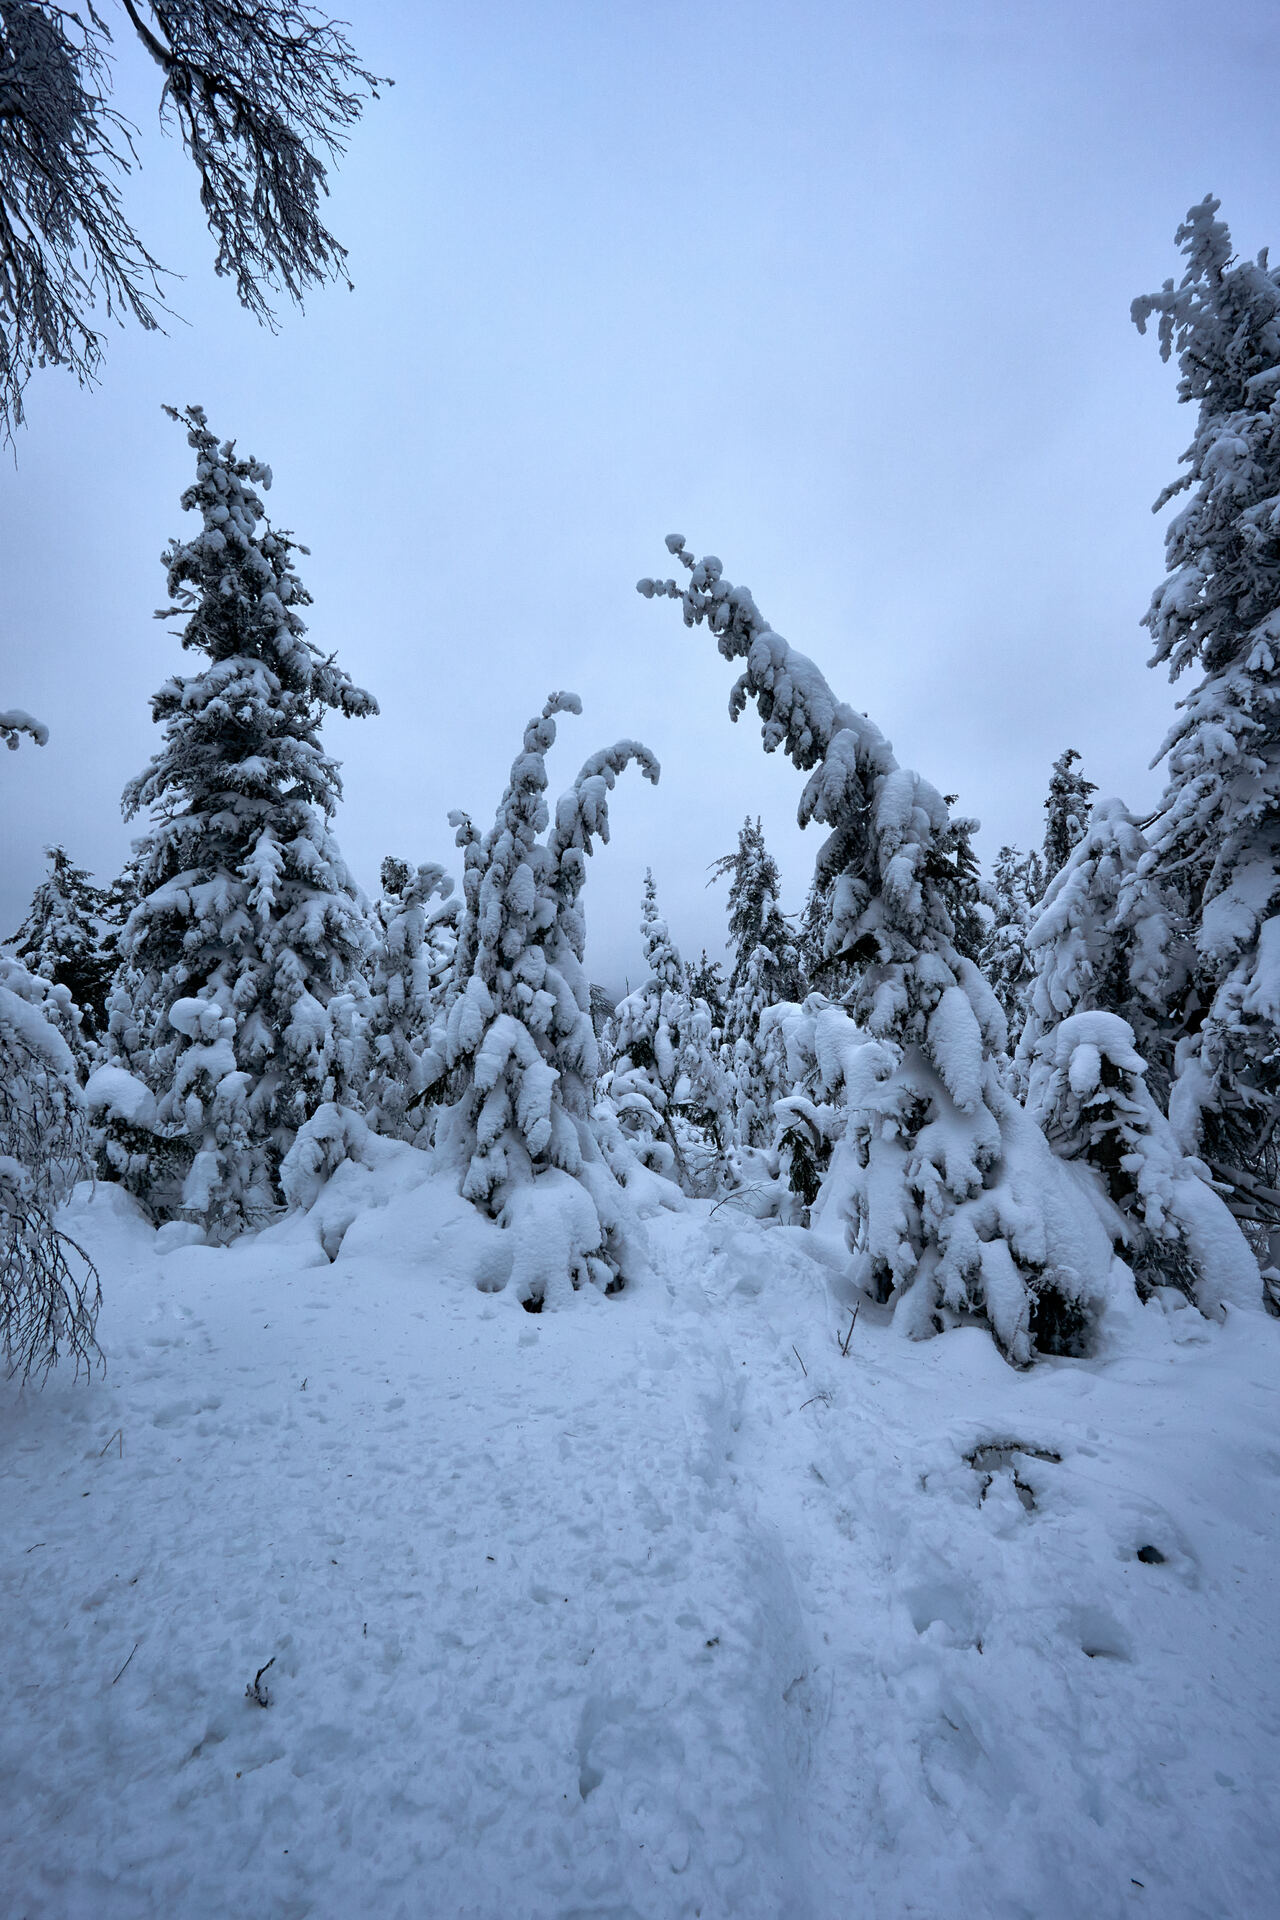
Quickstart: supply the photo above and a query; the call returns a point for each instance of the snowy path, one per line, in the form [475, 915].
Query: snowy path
[619, 1613]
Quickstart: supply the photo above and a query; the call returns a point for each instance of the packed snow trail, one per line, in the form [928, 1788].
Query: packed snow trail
[653, 1607]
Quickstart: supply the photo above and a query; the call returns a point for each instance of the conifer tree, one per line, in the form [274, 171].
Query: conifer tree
[1100, 943]
[756, 920]
[248, 928]
[665, 1084]
[1088, 1091]
[1004, 960]
[955, 1204]
[707, 982]
[1215, 841]
[1066, 812]
[407, 968]
[513, 1059]
[62, 940]
[766, 969]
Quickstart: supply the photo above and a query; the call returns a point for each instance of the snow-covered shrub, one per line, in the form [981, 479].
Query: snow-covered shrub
[956, 1205]
[332, 1134]
[249, 929]
[49, 1293]
[513, 1058]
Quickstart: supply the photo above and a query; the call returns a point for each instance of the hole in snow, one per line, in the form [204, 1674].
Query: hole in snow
[533, 1304]
[998, 1456]
[1151, 1556]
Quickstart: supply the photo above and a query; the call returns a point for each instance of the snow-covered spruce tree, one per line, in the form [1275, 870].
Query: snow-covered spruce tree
[49, 1293]
[1215, 841]
[513, 1060]
[1100, 941]
[955, 1205]
[249, 928]
[1066, 812]
[665, 1083]
[62, 939]
[1004, 960]
[707, 982]
[756, 920]
[766, 968]
[407, 969]
[1088, 1091]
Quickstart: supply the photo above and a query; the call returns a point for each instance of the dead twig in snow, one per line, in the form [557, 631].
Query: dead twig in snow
[255, 1690]
[136, 1644]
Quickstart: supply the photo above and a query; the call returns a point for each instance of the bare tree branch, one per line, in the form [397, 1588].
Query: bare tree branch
[260, 94]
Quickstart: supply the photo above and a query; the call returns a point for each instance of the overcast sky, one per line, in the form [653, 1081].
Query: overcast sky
[838, 291]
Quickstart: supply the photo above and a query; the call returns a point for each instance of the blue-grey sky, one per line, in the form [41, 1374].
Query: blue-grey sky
[838, 291]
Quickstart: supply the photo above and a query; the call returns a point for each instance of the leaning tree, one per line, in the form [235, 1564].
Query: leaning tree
[513, 1059]
[956, 1207]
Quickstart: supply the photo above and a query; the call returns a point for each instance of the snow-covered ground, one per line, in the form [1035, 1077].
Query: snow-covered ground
[647, 1607]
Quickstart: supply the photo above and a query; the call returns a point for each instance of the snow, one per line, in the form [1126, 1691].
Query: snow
[643, 1607]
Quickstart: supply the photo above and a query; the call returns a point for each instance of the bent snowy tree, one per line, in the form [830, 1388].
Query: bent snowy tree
[955, 1206]
[513, 1061]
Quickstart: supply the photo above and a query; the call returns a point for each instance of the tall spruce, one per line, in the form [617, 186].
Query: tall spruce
[1004, 958]
[1066, 812]
[954, 1204]
[408, 966]
[665, 1084]
[513, 1058]
[1215, 841]
[249, 926]
[756, 920]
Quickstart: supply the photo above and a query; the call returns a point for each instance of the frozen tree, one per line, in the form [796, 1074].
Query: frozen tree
[49, 1293]
[1004, 960]
[601, 1003]
[756, 920]
[1066, 811]
[513, 1059]
[62, 939]
[407, 969]
[1101, 942]
[1088, 1091]
[665, 1083]
[954, 1203]
[260, 97]
[1215, 841]
[766, 969]
[232, 1007]
[707, 982]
